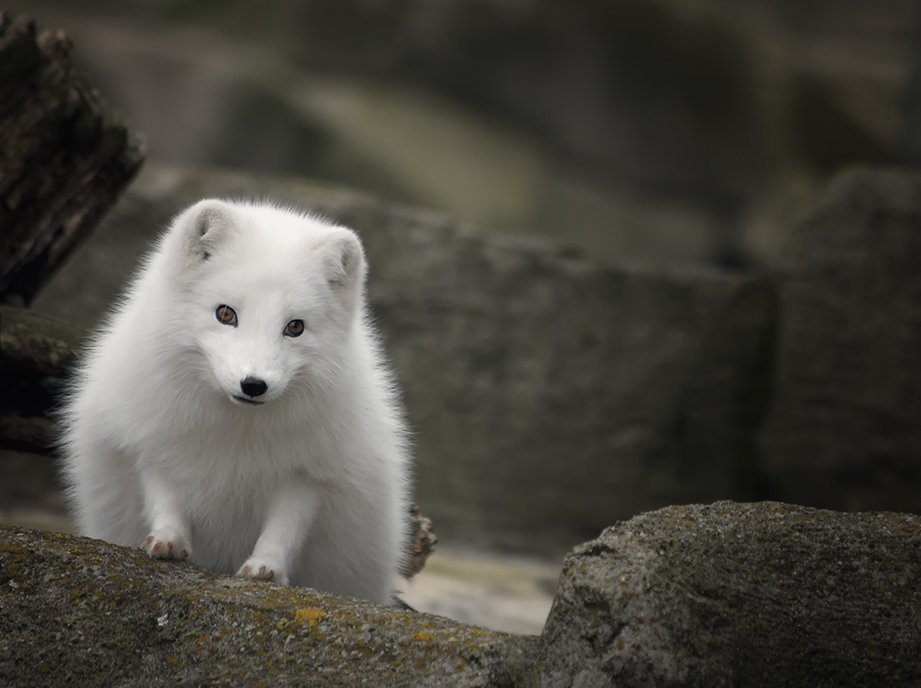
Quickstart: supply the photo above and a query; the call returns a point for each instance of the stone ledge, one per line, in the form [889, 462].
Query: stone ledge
[75, 611]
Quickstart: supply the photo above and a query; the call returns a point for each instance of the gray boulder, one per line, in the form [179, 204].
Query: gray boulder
[844, 430]
[75, 611]
[743, 595]
[548, 395]
[740, 595]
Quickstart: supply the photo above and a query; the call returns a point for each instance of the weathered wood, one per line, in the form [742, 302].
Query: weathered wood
[36, 352]
[64, 157]
[36, 355]
[422, 543]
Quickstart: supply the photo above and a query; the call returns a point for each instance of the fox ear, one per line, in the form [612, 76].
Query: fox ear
[344, 260]
[205, 226]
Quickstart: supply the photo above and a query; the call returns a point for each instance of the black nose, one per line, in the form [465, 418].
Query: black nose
[253, 386]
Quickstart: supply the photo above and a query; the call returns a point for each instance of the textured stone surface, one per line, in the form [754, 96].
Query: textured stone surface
[762, 595]
[75, 611]
[548, 395]
[844, 431]
[740, 595]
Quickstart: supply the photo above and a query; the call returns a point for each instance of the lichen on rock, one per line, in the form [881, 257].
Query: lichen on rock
[75, 611]
[730, 594]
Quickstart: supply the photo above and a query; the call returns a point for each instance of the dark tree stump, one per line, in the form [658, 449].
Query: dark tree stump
[64, 157]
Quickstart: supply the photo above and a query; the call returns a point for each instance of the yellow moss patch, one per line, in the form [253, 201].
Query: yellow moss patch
[311, 616]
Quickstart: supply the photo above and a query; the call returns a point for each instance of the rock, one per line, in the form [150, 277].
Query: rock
[548, 395]
[844, 430]
[740, 595]
[728, 594]
[75, 611]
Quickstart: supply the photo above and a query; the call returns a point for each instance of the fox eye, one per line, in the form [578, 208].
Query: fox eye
[226, 315]
[295, 328]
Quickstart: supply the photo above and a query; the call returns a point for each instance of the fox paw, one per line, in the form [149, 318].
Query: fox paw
[262, 569]
[166, 543]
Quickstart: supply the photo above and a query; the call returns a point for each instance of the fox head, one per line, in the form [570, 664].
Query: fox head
[265, 298]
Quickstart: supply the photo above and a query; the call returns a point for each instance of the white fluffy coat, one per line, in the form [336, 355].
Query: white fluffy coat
[164, 451]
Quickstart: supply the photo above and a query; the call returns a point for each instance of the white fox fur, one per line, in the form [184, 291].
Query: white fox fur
[303, 482]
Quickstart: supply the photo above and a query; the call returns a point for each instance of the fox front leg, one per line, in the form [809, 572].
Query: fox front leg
[290, 517]
[170, 533]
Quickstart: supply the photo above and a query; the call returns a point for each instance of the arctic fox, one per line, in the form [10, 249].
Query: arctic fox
[237, 410]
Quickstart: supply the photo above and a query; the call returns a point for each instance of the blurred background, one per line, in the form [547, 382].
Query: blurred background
[659, 132]
[662, 136]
